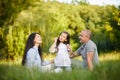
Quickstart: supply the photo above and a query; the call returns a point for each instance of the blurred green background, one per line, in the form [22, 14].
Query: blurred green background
[19, 18]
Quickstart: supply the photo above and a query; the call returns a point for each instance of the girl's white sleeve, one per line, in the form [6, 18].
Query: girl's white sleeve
[52, 50]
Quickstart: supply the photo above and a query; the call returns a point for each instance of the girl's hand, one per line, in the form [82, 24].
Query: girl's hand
[55, 39]
[51, 61]
[69, 48]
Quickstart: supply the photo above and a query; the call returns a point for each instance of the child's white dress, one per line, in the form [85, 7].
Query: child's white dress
[62, 58]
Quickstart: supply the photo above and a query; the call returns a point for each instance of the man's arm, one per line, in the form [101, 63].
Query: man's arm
[89, 60]
[74, 54]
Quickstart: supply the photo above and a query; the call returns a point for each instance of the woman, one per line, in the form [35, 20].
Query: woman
[32, 57]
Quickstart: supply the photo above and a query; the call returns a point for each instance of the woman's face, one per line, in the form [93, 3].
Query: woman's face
[37, 39]
[63, 37]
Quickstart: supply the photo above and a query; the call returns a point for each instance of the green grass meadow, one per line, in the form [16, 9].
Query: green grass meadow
[109, 69]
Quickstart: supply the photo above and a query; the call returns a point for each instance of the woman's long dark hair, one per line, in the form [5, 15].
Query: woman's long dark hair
[30, 44]
[65, 42]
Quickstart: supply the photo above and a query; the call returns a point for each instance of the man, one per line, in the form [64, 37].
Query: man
[88, 50]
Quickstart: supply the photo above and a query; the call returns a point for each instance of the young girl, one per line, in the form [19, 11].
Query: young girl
[32, 57]
[60, 45]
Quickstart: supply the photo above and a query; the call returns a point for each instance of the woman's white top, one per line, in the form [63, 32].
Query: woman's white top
[62, 58]
[33, 59]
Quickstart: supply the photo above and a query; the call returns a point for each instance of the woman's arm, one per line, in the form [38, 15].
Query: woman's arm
[30, 57]
[47, 62]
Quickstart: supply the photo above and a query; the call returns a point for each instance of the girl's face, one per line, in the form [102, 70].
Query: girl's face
[37, 39]
[63, 37]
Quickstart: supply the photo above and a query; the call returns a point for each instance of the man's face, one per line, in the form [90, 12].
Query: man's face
[83, 37]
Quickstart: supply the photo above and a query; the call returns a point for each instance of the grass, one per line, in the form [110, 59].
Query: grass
[108, 70]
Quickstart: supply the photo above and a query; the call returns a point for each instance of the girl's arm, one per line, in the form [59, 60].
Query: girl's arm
[52, 49]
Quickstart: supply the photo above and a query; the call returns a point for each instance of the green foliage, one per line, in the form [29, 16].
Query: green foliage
[14, 42]
[22, 17]
[108, 70]
[9, 9]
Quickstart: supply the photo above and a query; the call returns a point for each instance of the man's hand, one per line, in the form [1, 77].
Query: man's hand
[74, 54]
